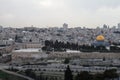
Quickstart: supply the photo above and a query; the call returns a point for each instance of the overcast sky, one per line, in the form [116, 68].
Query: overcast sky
[43, 13]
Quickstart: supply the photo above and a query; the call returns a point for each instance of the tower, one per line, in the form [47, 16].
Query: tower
[118, 25]
[65, 26]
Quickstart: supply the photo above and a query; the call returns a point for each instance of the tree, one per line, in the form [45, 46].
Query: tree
[110, 74]
[33, 75]
[16, 38]
[104, 59]
[30, 73]
[98, 76]
[68, 74]
[47, 43]
[84, 75]
[77, 77]
[66, 61]
[44, 48]
[30, 40]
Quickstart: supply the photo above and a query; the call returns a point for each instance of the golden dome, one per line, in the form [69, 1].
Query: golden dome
[100, 38]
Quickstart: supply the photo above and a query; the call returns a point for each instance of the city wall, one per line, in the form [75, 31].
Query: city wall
[85, 55]
[66, 55]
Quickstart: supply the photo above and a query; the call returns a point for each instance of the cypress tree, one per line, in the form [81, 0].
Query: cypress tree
[68, 74]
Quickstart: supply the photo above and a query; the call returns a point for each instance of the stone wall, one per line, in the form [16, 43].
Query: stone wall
[84, 55]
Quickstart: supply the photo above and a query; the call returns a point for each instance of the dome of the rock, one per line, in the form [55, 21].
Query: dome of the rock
[100, 38]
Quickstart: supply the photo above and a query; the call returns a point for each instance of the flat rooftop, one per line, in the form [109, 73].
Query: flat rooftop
[28, 50]
[72, 51]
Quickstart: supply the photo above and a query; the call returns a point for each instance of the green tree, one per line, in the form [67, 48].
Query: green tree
[68, 74]
[30, 40]
[84, 75]
[77, 77]
[30, 73]
[27, 72]
[16, 38]
[67, 60]
[98, 76]
[110, 74]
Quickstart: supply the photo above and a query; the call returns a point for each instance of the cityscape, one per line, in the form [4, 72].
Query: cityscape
[47, 53]
[59, 40]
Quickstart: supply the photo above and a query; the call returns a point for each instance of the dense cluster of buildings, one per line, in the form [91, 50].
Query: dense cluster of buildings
[22, 47]
[75, 35]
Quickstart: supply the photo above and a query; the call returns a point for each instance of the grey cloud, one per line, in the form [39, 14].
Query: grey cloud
[74, 12]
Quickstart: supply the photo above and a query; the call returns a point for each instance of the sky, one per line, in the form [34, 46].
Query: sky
[53, 13]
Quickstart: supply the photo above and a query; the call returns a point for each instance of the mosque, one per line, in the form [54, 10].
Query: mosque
[100, 41]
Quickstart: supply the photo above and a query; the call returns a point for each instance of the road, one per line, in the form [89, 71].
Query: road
[13, 73]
